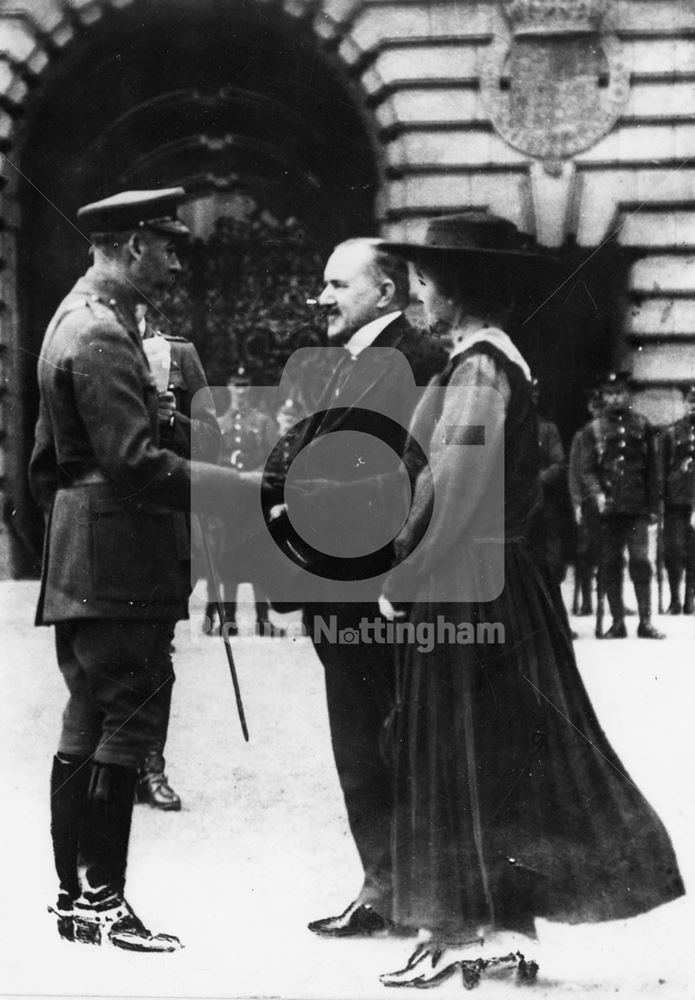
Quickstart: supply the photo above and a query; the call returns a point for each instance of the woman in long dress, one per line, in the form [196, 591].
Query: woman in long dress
[510, 802]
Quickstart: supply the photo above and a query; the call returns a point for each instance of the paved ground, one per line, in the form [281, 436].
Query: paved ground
[262, 845]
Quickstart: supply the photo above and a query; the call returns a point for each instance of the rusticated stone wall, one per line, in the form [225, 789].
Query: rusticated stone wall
[420, 67]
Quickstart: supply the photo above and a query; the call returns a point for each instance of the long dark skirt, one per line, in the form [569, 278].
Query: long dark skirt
[510, 801]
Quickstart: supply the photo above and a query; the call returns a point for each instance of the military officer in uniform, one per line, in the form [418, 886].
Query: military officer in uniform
[620, 483]
[115, 572]
[678, 453]
[199, 438]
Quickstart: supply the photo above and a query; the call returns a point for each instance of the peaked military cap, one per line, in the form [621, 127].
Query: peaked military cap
[131, 210]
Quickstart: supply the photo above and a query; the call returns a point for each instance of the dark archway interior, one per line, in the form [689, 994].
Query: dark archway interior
[220, 97]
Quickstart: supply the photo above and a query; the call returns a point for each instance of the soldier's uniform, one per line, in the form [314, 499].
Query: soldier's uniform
[548, 522]
[248, 435]
[678, 453]
[115, 573]
[197, 438]
[586, 518]
[620, 484]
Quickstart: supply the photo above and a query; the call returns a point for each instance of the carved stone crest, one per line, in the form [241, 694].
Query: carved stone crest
[557, 82]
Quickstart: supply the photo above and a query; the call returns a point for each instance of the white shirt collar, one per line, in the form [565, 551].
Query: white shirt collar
[367, 334]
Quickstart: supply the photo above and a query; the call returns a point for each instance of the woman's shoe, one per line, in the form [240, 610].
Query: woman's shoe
[429, 965]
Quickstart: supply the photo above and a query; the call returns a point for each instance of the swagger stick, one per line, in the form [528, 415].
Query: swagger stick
[221, 612]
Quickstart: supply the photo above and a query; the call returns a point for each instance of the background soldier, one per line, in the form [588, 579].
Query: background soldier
[620, 483]
[678, 451]
[248, 435]
[550, 523]
[586, 517]
[200, 439]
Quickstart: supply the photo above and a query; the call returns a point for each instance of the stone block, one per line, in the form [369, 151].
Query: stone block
[660, 100]
[453, 61]
[646, 15]
[504, 193]
[662, 315]
[664, 273]
[451, 148]
[12, 86]
[431, 106]
[664, 228]
[670, 363]
[661, 405]
[88, 11]
[660, 55]
[653, 142]
[46, 15]
[7, 126]
[339, 11]
[18, 41]
[435, 20]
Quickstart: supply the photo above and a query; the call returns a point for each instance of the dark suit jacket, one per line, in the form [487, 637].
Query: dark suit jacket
[369, 382]
[115, 546]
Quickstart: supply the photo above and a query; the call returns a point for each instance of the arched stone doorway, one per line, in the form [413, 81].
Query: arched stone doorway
[237, 102]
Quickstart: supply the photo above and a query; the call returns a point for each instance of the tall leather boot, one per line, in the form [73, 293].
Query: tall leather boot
[69, 777]
[674, 585]
[209, 618]
[229, 623]
[101, 913]
[264, 626]
[614, 594]
[645, 629]
[586, 584]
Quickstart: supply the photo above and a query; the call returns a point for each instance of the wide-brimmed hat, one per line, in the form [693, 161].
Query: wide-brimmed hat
[472, 233]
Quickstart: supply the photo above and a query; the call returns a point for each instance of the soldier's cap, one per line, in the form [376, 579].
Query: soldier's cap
[617, 380]
[133, 210]
[472, 233]
[239, 376]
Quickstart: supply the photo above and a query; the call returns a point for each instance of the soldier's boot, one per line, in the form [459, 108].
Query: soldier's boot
[209, 618]
[689, 603]
[69, 779]
[586, 582]
[229, 624]
[153, 786]
[101, 914]
[264, 626]
[674, 584]
[645, 629]
[614, 595]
